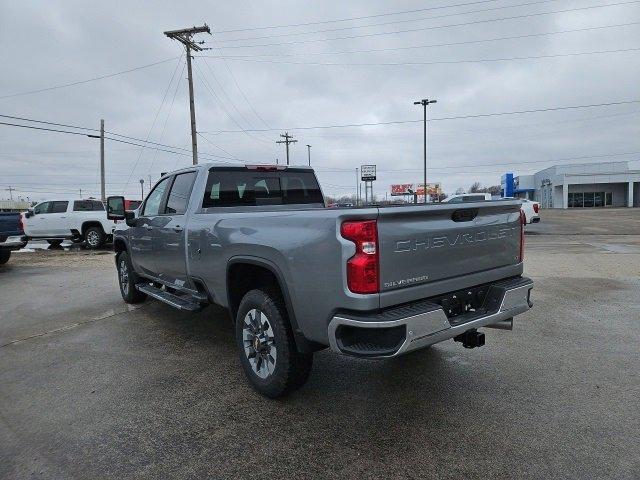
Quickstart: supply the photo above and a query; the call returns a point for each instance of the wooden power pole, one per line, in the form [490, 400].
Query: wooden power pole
[287, 140]
[185, 36]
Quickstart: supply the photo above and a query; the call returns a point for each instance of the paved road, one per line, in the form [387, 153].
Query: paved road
[93, 389]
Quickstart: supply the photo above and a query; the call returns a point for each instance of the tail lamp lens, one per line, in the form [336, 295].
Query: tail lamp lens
[363, 267]
[536, 207]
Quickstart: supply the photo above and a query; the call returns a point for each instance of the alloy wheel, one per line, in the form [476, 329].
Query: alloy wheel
[258, 342]
[124, 276]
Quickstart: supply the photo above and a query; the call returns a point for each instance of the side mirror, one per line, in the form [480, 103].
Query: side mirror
[29, 214]
[115, 208]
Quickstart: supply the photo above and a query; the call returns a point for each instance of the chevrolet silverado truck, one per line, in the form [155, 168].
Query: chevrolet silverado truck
[11, 235]
[297, 277]
[76, 220]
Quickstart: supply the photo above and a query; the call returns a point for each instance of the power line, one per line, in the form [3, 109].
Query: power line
[235, 80]
[166, 120]
[438, 62]
[219, 101]
[322, 22]
[153, 124]
[409, 20]
[432, 45]
[437, 119]
[436, 27]
[43, 128]
[79, 82]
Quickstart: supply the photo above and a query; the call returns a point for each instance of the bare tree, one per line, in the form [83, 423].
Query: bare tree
[460, 191]
[475, 187]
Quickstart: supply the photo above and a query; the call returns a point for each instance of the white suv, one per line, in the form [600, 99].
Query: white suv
[76, 220]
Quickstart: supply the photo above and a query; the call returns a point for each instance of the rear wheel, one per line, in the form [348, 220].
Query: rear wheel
[55, 242]
[4, 256]
[267, 349]
[127, 279]
[94, 237]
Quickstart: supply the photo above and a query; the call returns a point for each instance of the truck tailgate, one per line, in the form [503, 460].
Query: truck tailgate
[419, 245]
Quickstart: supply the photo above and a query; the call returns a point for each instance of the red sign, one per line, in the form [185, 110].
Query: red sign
[402, 189]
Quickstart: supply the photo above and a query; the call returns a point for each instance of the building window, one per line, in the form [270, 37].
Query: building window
[589, 199]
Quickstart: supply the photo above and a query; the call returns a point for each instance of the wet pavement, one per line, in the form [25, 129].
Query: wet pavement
[94, 388]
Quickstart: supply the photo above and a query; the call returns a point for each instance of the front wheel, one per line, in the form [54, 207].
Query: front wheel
[4, 256]
[267, 349]
[94, 237]
[127, 280]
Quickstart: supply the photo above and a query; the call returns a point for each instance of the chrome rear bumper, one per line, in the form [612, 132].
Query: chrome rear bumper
[426, 323]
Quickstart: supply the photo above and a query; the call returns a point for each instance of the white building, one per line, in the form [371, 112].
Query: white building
[581, 185]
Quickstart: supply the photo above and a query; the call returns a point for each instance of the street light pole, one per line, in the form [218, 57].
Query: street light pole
[424, 102]
[309, 153]
[142, 189]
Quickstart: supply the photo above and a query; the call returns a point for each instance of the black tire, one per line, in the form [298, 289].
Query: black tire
[94, 238]
[127, 289]
[55, 242]
[4, 256]
[292, 368]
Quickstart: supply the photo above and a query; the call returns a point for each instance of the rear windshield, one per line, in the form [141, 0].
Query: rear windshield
[234, 187]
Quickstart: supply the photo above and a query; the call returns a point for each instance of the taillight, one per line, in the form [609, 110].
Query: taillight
[523, 220]
[536, 207]
[20, 223]
[362, 268]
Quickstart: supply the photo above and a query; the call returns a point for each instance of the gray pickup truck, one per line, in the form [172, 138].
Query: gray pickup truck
[298, 277]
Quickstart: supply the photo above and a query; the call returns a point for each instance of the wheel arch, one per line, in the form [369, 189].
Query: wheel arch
[91, 223]
[263, 272]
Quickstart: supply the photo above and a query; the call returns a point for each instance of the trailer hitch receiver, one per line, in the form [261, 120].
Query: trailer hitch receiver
[470, 339]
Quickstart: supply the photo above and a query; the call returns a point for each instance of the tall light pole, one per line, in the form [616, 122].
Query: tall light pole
[309, 153]
[142, 189]
[424, 102]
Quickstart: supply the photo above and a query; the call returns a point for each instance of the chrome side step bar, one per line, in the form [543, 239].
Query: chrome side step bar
[176, 301]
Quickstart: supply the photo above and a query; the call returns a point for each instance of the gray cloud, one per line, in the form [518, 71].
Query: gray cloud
[52, 43]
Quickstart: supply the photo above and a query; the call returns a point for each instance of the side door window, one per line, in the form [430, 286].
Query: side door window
[180, 192]
[59, 207]
[42, 208]
[154, 202]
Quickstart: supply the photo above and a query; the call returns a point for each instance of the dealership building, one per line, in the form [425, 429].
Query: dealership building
[607, 184]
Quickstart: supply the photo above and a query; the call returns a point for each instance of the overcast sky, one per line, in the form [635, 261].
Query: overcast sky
[277, 78]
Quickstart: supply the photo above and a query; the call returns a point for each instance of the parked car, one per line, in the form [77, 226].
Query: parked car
[531, 210]
[76, 220]
[11, 235]
[297, 277]
[468, 197]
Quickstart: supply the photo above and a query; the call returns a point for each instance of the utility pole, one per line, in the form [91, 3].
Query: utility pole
[10, 190]
[80, 194]
[424, 102]
[142, 189]
[185, 36]
[287, 140]
[103, 196]
[357, 186]
[309, 153]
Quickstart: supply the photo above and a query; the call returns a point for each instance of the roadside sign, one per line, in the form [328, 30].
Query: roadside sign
[401, 189]
[368, 173]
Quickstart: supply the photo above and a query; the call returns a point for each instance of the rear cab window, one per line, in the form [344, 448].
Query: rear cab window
[240, 186]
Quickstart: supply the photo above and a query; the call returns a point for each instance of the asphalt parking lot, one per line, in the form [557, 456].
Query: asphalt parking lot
[93, 388]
